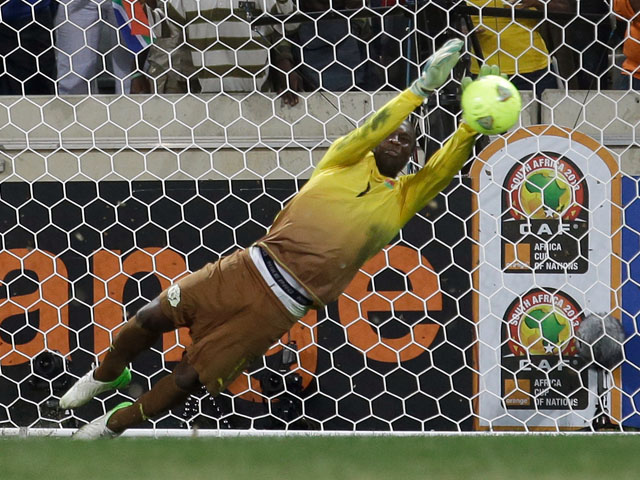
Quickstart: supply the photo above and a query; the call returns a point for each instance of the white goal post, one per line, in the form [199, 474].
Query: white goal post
[464, 323]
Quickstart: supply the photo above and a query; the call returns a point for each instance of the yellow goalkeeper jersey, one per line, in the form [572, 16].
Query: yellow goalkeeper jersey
[348, 211]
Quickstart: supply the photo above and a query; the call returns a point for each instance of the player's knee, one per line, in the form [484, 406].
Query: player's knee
[186, 377]
[152, 318]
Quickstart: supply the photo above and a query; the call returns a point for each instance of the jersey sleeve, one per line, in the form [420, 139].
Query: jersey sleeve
[438, 172]
[352, 148]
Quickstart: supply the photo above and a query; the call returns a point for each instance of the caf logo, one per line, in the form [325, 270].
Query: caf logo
[545, 187]
[542, 322]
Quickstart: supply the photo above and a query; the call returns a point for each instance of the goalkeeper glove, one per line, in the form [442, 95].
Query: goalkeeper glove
[438, 67]
[484, 70]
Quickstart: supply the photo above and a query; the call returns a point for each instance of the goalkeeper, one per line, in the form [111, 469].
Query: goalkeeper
[236, 308]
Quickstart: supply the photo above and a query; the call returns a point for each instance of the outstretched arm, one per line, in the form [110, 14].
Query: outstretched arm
[438, 172]
[443, 165]
[352, 148]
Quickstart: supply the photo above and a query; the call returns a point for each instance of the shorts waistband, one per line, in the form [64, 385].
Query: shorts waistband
[287, 288]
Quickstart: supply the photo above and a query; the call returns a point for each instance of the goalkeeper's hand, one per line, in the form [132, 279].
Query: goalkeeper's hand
[484, 70]
[438, 67]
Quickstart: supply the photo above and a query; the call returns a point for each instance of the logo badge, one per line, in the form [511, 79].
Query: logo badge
[545, 219]
[541, 323]
[173, 295]
[539, 355]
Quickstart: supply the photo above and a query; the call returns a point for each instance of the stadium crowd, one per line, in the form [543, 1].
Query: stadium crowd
[208, 46]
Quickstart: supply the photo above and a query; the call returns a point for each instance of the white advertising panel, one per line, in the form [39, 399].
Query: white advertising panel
[546, 227]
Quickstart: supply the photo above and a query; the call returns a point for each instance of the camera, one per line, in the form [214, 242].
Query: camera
[48, 369]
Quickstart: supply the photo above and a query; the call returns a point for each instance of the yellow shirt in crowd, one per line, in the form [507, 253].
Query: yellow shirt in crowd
[515, 46]
[348, 211]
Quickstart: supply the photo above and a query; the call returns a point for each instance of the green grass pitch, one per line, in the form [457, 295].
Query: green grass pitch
[516, 457]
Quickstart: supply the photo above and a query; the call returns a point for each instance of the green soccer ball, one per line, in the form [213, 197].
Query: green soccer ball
[491, 105]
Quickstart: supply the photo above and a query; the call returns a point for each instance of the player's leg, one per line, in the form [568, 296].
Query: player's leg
[167, 393]
[229, 328]
[138, 334]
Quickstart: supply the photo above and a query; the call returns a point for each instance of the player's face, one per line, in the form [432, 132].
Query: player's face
[393, 153]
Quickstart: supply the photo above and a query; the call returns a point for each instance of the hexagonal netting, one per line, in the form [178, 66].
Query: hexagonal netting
[171, 134]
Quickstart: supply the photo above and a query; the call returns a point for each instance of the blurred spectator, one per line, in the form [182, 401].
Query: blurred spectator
[169, 62]
[79, 27]
[334, 51]
[27, 63]
[629, 9]
[213, 42]
[391, 47]
[516, 45]
[589, 37]
[404, 36]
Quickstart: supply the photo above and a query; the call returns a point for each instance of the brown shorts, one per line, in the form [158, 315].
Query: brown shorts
[232, 315]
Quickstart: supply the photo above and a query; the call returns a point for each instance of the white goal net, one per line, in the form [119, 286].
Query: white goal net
[465, 322]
